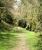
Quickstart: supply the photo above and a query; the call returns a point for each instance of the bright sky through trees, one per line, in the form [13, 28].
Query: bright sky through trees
[17, 3]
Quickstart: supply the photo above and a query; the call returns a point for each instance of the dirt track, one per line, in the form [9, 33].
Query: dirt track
[22, 43]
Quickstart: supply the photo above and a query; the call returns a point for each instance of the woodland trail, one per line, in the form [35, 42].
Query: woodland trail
[22, 42]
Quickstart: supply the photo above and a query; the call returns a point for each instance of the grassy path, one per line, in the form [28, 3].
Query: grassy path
[20, 39]
[22, 42]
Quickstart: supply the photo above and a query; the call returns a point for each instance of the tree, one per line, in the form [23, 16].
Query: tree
[30, 11]
[5, 6]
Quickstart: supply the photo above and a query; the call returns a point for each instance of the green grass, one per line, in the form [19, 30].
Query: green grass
[32, 40]
[10, 39]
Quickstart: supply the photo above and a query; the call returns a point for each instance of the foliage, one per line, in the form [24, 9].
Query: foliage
[39, 44]
[28, 10]
[5, 15]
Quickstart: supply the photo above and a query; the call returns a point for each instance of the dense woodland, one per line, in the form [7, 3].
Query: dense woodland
[26, 14]
[29, 11]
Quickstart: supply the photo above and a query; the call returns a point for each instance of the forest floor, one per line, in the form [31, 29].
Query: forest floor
[27, 40]
[22, 42]
[19, 39]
